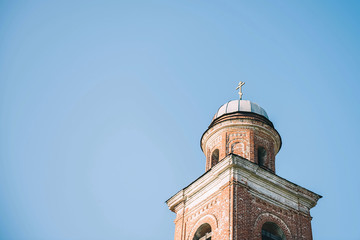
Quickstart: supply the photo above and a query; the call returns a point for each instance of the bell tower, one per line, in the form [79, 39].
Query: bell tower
[241, 127]
[239, 196]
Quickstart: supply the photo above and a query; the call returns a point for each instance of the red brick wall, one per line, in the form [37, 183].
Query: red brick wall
[242, 142]
[250, 213]
[214, 210]
[262, 140]
[234, 213]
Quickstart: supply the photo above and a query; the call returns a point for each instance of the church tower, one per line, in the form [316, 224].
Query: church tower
[240, 196]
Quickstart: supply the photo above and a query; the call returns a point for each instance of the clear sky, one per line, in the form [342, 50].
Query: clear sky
[103, 103]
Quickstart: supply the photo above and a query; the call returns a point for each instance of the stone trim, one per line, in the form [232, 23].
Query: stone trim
[259, 181]
[269, 217]
[210, 219]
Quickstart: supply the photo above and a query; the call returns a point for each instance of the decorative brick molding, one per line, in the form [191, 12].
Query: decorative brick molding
[237, 191]
[209, 219]
[269, 217]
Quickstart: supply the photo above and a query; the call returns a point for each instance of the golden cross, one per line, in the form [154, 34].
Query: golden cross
[239, 87]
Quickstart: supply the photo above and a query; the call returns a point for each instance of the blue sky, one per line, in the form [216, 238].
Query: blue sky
[103, 103]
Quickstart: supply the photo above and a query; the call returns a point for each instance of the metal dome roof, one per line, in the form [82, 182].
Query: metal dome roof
[240, 106]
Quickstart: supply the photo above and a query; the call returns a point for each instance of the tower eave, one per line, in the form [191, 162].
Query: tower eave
[262, 183]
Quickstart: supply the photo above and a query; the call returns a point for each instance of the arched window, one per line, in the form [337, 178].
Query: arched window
[271, 231]
[203, 232]
[261, 156]
[214, 157]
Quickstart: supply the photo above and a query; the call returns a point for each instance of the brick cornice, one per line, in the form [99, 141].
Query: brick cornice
[241, 119]
[243, 123]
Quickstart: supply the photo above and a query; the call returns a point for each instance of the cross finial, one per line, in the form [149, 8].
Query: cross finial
[239, 87]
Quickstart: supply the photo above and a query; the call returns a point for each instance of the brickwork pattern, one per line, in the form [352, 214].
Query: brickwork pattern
[243, 142]
[235, 213]
[252, 212]
[214, 210]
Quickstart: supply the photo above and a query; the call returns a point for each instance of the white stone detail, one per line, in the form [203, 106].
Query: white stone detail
[261, 183]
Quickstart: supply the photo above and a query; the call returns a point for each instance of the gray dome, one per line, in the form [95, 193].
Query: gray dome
[240, 106]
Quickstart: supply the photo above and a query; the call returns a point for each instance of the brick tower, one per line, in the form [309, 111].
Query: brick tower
[240, 196]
